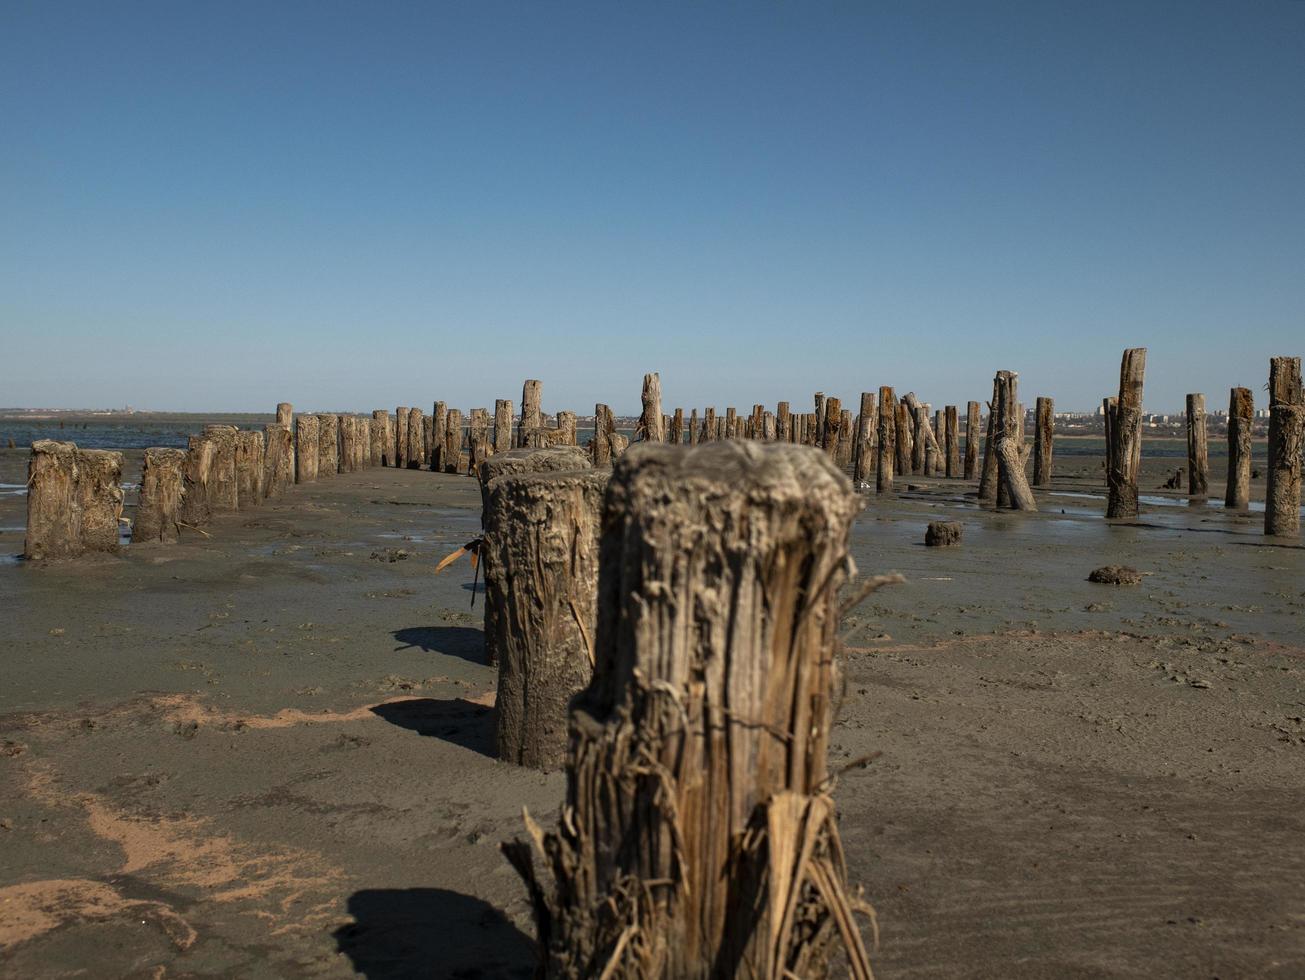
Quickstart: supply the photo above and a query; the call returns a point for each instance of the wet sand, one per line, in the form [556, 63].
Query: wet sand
[265, 753]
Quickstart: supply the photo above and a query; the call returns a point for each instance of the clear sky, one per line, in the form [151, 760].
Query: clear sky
[216, 206]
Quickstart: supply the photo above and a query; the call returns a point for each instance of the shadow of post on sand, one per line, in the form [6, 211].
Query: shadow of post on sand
[454, 720]
[453, 641]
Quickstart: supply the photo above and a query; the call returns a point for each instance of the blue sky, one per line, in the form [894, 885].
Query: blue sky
[352, 205]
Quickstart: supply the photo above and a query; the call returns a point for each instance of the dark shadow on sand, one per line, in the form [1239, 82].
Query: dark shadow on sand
[454, 641]
[455, 720]
[432, 932]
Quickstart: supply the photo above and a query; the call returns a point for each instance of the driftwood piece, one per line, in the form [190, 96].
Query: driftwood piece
[1125, 456]
[195, 510]
[1044, 423]
[250, 453]
[223, 495]
[527, 460]
[452, 453]
[1282, 488]
[401, 436]
[542, 580]
[306, 448]
[697, 837]
[439, 429]
[159, 507]
[531, 394]
[708, 424]
[99, 494]
[279, 463]
[1241, 417]
[887, 449]
[1198, 453]
[1011, 464]
[54, 512]
[973, 422]
[285, 413]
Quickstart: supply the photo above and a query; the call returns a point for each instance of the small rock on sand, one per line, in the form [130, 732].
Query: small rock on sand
[1115, 575]
[943, 534]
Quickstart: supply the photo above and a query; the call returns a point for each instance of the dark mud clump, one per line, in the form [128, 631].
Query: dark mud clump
[943, 534]
[1115, 575]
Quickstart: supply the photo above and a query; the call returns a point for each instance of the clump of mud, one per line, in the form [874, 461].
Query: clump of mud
[1115, 575]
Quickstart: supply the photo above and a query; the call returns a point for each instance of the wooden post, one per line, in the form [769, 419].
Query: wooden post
[1198, 454]
[401, 437]
[973, 422]
[427, 440]
[988, 475]
[159, 507]
[1010, 460]
[376, 437]
[697, 815]
[566, 426]
[709, 424]
[439, 434]
[817, 436]
[478, 437]
[502, 425]
[279, 463]
[783, 423]
[768, 427]
[831, 427]
[905, 441]
[54, 511]
[194, 499]
[99, 495]
[1241, 417]
[1043, 432]
[222, 494]
[693, 427]
[1286, 411]
[542, 579]
[412, 455]
[348, 441]
[531, 394]
[886, 450]
[600, 446]
[676, 434]
[328, 445]
[306, 454]
[845, 440]
[1108, 406]
[863, 452]
[919, 445]
[285, 413]
[1126, 437]
[731, 424]
[250, 454]
[952, 437]
[452, 454]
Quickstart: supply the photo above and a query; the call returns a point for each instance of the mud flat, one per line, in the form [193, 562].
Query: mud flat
[267, 752]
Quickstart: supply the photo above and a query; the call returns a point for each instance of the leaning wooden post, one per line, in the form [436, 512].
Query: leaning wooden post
[401, 437]
[502, 425]
[973, 422]
[531, 395]
[452, 454]
[250, 453]
[697, 815]
[159, 508]
[543, 581]
[952, 438]
[1126, 437]
[1198, 454]
[1286, 411]
[99, 493]
[54, 512]
[1043, 432]
[285, 413]
[279, 464]
[328, 445]
[1241, 417]
[887, 438]
[222, 492]
[306, 440]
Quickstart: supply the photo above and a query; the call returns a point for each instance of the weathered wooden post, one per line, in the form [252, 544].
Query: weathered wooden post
[159, 507]
[1286, 417]
[543, 580]
[348, 444]
[817, 438]
[427, 440]
[952, 437]
[531, 394]
[1126, 436]
[698, 816]
[285, 413]
[1043, 432]
[905, 444]
[1241, 417]
[279, 463]
[783, 422]
[768, 426]
[731, 424]
[478, 437]
[973, 422]
[831, 427]
[413, 454]
[863, 454]
[988, 478]
[1198, 454]
[99, 494]
[328, 445]
[886, 451]
[306, 455]
[939, 441]
[600, 446]
[1010, 460]
[567, 429]
[364, 441]
[401, 437]
[693, 427]
[452, 454]
[843, 458]
[439, 434]
[54, 510]
[502, 424]
[251, 454]
[376, 437]
[708, 424]
[676, 434]
[222, 492]
[919, 444]
[195, 510]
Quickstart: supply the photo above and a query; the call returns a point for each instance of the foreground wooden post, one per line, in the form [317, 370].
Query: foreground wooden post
[697, 811]
[952, 438]
[222, 492]
[54, 512]
[1241, 417]
[159, 507]
[279, 464]
[1286, 415]
[502, 424]
[531, 393]
[195, 510]
[328, 445]
[887, 449]
[99, 493]
[251, 456]
[543, 582]
[1198, 454]
[307, 452]
[973, 422]
[1043, 432]
[285, 413]
[452, 454]
[401, 437]
[1125, 454]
